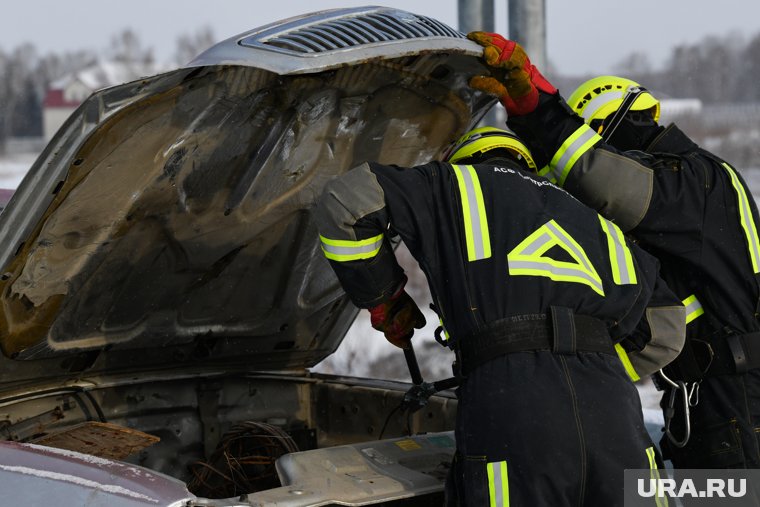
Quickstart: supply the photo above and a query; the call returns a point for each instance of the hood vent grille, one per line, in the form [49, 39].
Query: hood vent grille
[346, 32]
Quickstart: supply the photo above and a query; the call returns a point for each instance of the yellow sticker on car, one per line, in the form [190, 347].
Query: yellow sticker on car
[408, 445]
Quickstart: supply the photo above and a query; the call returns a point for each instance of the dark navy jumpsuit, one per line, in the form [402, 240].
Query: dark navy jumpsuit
[507, 255]
[694, 212]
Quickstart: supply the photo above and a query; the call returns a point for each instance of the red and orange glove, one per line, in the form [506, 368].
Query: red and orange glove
[516, 81]
[397, 318]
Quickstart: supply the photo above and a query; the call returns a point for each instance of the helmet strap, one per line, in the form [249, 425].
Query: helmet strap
[630, 97]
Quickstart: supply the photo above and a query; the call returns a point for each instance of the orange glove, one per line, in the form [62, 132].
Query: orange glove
[397, 318]
[518, 81]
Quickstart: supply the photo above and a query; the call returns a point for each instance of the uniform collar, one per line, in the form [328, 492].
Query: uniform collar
[671, 140]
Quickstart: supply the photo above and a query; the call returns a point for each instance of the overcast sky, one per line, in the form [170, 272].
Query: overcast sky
[584, 36]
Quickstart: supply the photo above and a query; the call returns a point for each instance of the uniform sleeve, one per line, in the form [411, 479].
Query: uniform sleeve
[353, 222]
[665, 328]
[633, 189]
[652, 338]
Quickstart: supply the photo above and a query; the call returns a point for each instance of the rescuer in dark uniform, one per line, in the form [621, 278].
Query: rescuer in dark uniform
[682, 204]
[537, 292]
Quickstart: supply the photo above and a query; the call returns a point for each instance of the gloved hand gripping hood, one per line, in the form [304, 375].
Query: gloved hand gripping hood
[174, 213]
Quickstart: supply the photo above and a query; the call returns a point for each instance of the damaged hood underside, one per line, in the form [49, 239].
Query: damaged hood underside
[174, 213]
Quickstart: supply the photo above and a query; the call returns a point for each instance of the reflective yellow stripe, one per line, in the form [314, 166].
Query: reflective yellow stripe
[623, 272]
[600, 101]
[654, 474]
[571, 150]
[343, 250]
[547, 173]
[748, 221]
[498, 484]
[623, 355]
[526, 259]
[693, 308]
[474, 213]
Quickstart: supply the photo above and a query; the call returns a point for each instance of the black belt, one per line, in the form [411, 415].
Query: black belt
[731, 354]
[561, 332]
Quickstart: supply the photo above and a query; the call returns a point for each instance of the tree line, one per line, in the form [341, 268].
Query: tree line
[26, 75]
[717, 70]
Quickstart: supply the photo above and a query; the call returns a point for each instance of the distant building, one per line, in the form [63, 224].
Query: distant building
[674, 108]
[67, 93]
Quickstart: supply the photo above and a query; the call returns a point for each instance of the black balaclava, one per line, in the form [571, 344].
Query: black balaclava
[635, 132]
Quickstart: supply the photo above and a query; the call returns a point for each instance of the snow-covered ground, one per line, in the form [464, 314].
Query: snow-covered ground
[363, 347]
[13, 168]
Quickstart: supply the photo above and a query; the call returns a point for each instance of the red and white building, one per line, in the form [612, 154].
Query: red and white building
[67, 93]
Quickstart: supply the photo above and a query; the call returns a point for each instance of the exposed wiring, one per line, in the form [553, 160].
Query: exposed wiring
[243, 462]
[95, 405]
[388, 419]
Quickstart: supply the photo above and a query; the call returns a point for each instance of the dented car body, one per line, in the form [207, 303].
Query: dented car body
[162, 285]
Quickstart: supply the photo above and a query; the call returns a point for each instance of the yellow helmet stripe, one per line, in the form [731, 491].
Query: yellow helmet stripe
[601, 96]
[598, 102]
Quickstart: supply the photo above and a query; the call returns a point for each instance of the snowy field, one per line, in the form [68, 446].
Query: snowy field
[363, 348]
[13, 168]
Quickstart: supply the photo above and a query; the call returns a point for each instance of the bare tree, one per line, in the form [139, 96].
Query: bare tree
[191, 45]
[127, 48]
[24, 79]
[683, 65]
[25, 118]
[15, 69]
[53, 66]
[717, 69]
[636, 63]
[750, 63]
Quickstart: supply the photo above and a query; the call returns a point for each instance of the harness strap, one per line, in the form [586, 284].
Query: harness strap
[630, 97]
[561, 331]
[730, 354]
[737, 354]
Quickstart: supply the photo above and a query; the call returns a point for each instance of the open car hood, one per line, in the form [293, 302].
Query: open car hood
[169, 221]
